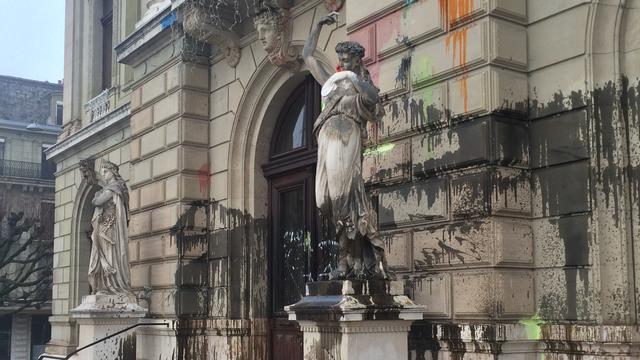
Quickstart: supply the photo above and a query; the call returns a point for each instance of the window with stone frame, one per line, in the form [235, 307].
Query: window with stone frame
[59, 113]
[107, 42]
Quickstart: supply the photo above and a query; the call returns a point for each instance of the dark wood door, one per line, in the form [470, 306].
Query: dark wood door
[291, 256]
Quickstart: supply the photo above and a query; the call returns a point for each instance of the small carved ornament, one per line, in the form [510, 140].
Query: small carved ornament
[273, 25]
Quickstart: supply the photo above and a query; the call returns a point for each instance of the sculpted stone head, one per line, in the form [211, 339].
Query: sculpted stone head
[350, 55]
[270, 25]
[109, 171]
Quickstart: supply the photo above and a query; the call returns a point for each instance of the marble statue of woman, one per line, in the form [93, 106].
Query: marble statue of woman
[109, 262]
[350, 101]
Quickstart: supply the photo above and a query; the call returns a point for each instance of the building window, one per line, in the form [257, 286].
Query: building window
[107, 42]
[47, 167]
[58, 113]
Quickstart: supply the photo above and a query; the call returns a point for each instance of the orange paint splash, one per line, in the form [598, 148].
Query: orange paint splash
[456, 41]
[455, 10]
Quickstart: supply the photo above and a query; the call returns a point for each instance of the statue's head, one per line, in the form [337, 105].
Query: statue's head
[350, 54]
[109, 171]
[270, 25]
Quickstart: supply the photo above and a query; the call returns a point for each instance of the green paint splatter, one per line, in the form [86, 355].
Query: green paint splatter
[532, 327]
[307, 241]
[380, 149]
[426, 69]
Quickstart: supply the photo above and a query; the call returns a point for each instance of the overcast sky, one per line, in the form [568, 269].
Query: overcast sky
[32, 39]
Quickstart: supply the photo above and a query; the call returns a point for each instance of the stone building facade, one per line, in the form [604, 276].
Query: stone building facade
[30, 118]
[504, 172]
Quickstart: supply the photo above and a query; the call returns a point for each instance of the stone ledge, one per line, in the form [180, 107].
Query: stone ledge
[108, 306]
[92, 132]
[353, 300]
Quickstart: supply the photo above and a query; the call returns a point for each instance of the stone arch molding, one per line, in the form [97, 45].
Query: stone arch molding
[612, 27]
[264, 95]
[80, 245]
[247, 188]
[603, 41]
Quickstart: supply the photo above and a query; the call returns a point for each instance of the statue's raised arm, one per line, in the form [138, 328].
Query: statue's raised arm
[315, 67]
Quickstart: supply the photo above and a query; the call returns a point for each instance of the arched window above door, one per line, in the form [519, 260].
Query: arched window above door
[291, 133]
[292, 136]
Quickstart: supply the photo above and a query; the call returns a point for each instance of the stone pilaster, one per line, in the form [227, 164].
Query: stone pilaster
[169, 174]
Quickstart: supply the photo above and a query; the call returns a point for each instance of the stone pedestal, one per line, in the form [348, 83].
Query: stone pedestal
[102, 315]
[355, 319]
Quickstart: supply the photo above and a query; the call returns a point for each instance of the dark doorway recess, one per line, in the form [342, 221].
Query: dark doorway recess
[301, 246]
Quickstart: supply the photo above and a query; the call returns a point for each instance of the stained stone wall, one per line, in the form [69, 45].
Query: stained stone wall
[449, 163]
[504, 174]
[499, 169]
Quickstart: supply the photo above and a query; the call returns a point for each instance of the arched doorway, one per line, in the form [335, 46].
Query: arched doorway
[298, 250]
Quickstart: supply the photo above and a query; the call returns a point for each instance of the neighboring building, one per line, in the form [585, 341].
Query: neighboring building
[30, 119]
[505, 171]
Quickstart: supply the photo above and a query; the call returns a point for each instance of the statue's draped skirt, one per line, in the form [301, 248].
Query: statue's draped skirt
[109, 262]
[339, 182]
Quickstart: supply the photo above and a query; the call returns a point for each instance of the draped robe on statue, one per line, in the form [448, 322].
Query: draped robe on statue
[339, 183]
[109, 262]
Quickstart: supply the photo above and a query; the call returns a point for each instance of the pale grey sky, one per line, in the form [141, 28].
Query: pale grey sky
[32, 39]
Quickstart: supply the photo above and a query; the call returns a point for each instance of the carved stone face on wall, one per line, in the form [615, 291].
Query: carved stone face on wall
[268, 35]
[270, 27]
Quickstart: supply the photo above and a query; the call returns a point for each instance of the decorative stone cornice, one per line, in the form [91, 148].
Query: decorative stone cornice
[89, 132]
[368, 327]
[133, 50]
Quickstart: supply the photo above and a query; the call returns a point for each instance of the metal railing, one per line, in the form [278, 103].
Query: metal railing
[68, 356]
[25, 169]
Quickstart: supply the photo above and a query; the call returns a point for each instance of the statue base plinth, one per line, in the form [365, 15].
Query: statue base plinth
[99, 316]
[355, 319]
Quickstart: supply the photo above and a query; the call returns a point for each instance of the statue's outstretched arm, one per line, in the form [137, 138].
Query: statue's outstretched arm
[315, 67]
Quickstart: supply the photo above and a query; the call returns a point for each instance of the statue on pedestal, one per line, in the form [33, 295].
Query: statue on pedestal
[109, 262]
[350, 101]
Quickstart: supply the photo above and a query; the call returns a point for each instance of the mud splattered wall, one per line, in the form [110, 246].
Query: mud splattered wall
[168, 149]
[565, 288]
[448, 163]
[504, 168]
